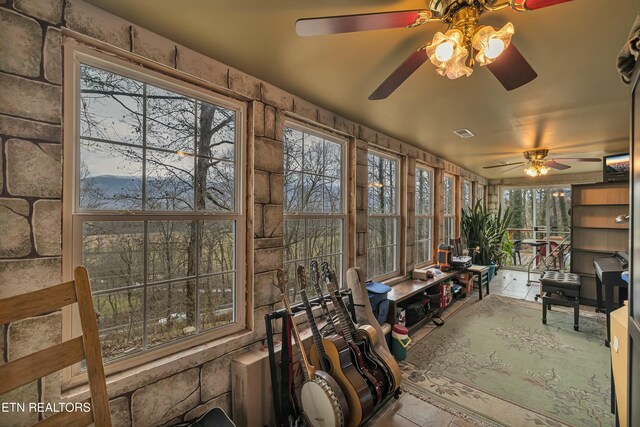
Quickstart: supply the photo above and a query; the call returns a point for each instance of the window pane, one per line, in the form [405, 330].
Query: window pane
[332, 159]
[423, 239]
[449, 229]
[449, 195]
[119, 322]
[294, 239]
[313, 154]
[292, 149]
[110, 176]
[381, 261]
[171, 250]
[171, 312]
[466, 194]
[332, 200]
[171, 120]
[381, 232]
[112, 251]
[169, 181]
[217, 252]
[424, 190]
[110, 106]
[216, 301]
[292, 192]
[312, 193]
[382, 178]
[216, 134]
[215, 185]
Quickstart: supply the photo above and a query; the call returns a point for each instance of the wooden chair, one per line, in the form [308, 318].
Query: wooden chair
[19, 372]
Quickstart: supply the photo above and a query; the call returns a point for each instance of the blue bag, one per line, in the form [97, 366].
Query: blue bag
[378, 299]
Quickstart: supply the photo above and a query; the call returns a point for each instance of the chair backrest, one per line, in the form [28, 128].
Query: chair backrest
[517, 245]
[19, 372]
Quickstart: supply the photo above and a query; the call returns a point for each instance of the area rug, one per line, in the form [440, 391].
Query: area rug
[495, 361]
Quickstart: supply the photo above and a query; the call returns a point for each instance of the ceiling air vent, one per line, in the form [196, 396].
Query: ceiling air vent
[464, 133]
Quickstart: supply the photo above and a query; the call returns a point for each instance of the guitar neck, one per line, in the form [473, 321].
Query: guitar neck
[317, 338]
[323, 304]
[342, 308]
[308, 370]
[344, 321]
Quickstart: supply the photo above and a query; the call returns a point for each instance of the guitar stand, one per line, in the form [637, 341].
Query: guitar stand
[285, 407]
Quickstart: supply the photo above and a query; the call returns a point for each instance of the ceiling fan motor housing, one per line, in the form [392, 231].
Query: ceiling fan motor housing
[536, 154]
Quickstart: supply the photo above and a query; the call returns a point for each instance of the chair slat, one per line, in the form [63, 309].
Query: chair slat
[37, 365]
[93, 352]
[37, 303]
[68, 419]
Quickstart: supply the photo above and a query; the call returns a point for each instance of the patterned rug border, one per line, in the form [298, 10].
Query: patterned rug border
[460, 410]
[457, 410]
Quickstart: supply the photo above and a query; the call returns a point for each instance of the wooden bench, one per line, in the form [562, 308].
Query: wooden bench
[410, 288]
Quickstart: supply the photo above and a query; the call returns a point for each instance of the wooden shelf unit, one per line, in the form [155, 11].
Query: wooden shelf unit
[594, 232]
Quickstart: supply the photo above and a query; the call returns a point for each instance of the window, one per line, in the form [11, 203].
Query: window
[449, 218]
[480, 192]
[424, 214]
[314, 217]
[156, 208]
[384, 215]
[467, 195]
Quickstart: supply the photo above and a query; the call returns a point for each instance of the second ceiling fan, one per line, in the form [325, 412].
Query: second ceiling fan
[454, 52]
[537, 165]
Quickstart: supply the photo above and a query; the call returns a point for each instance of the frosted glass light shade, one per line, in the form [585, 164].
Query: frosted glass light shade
[491, 43]
[448, 54]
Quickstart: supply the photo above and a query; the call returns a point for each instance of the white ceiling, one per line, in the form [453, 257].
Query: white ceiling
[576, 107]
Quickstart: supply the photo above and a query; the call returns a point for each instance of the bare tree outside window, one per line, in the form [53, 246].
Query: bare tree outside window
[157, 206]
[424, 215]
[384, 215]
[467, 195]
[314, 213]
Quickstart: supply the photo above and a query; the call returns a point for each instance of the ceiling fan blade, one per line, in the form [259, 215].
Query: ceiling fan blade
[503, 165]
[556, 165]
[365, 22]
[580, 159]
[539, 4]
[400, 74]
[512, 168]
[511, 69]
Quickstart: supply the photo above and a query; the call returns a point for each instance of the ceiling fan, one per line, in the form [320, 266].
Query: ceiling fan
[466, 41]
[537, 165]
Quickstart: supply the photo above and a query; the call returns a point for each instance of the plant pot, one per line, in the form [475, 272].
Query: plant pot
[492, 271]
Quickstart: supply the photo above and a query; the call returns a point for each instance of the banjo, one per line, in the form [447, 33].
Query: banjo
[320, 403]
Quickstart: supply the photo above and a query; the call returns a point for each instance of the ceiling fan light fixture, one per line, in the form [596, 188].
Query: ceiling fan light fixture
[448, 54]
[491, 43]
[536, 168]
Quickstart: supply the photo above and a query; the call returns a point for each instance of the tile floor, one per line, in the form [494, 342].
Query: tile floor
[409, 411]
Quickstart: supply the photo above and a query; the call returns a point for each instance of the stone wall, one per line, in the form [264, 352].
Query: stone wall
[31, 77]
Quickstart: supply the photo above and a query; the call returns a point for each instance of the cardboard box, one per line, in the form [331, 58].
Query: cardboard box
[252, 404]
[619, 347]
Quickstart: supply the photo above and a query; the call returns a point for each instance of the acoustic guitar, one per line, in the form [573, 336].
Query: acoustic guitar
[379, 345]
[334, 356]
[320, 404]
[360, 339]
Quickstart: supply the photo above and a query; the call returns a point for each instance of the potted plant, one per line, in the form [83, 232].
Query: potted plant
[486, 235]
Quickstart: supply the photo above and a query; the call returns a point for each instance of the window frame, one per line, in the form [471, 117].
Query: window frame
[480, 191]
[430, 216]
[453, 213]
[73, 217]
[397, 216]
[343, 215]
